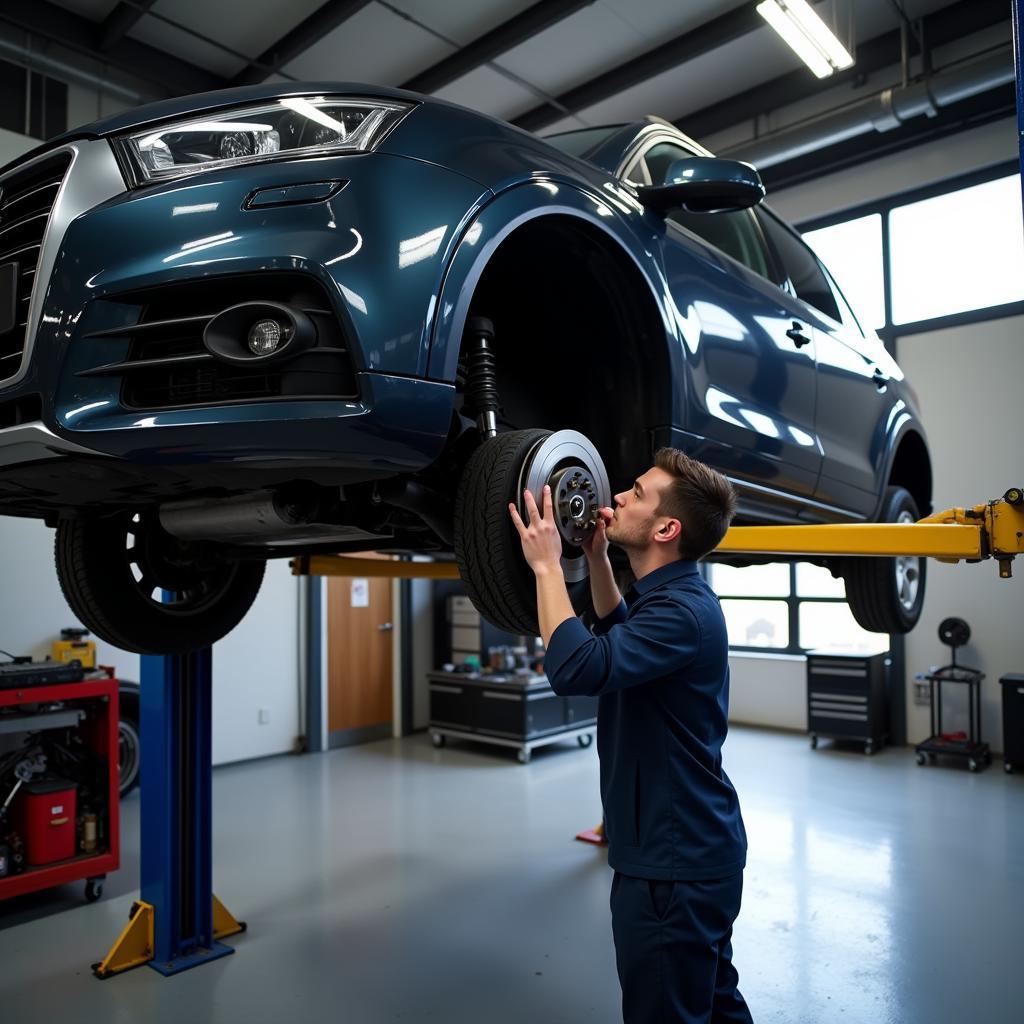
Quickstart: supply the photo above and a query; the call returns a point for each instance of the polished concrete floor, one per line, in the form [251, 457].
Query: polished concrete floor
[393, 882]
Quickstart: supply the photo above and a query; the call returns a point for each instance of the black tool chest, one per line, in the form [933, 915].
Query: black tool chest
[846, 698]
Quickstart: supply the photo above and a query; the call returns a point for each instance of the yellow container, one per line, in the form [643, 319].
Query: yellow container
[70, 650]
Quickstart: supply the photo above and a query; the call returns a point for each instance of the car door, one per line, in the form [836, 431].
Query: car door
[750, 410]
[854, 397]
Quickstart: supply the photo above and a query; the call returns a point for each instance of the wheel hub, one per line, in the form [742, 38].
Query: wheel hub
[568, 463]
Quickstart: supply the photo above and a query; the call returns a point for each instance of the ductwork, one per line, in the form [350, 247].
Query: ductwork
[882, 112]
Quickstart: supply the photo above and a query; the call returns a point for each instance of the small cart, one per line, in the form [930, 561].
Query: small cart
[92, 707]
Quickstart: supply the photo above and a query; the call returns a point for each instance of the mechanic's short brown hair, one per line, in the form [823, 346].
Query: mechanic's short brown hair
[699, 497]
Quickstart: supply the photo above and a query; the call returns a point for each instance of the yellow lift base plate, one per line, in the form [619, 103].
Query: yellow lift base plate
[134, 946]
[993, 530]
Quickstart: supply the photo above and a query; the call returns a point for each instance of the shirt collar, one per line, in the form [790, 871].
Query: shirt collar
[666, 574]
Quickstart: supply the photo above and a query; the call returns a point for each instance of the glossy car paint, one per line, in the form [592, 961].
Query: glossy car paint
[400, 249]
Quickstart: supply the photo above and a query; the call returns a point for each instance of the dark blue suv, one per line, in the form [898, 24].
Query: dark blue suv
[279, 320]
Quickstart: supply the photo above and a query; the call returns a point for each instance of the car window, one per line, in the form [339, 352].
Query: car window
[805, 276]
[734, 233]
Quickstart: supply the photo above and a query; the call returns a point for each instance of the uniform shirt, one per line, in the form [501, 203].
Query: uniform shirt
[659, 663]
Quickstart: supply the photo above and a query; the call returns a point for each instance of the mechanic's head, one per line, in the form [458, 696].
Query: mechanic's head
[678, 502]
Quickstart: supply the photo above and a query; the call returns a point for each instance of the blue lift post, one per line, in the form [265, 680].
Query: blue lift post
[176, 819]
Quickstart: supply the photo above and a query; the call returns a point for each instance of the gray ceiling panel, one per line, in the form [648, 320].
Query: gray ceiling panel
[488, 91]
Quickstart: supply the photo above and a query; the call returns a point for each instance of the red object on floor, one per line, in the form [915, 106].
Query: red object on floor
[46, 820]
[592, 835]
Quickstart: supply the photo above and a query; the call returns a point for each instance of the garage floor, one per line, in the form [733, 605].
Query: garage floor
[393, 882]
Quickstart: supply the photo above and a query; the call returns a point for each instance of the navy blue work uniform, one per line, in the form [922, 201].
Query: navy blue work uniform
[659, 663]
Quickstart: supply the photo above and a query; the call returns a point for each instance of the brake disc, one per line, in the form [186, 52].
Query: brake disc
[571, 466]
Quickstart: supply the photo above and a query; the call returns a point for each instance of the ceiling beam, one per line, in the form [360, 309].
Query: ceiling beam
[709, 36]
[943, 26]
[46, 20]
[492, 44]
[325, 19]
[119, 22]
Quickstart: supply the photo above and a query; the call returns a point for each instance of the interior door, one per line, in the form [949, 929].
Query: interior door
[359, 659]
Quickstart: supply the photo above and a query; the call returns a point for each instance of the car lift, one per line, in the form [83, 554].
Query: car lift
[179, 921]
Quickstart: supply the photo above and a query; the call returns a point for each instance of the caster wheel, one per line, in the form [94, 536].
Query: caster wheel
[921, 759]
[1007, 767]
[93, 889]
[972, 765]
[437, 739]
[931, 759]
[585, 740]
[814, 741]
[523, 756]
[869, 748]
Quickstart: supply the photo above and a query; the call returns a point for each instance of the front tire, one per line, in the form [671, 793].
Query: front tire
[115, 573]
[886, 595]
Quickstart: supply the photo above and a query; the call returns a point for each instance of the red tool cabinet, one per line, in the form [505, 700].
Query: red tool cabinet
[98, 729]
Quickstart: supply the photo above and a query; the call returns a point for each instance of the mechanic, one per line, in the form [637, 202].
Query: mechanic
[659, 662]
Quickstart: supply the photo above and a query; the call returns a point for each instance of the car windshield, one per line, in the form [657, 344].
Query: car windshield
[583, 141]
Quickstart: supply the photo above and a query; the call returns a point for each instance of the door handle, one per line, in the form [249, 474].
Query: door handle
[796, 334]
[385, 627]
[881, 379]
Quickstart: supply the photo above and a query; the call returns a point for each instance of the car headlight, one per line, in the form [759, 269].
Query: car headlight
[293, 126]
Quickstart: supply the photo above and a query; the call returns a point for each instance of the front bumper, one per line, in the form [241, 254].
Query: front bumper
[376, 251]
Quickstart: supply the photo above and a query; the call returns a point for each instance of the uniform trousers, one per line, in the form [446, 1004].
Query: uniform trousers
[673, 950]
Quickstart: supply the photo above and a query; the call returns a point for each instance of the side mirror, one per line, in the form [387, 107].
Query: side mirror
[705, 184]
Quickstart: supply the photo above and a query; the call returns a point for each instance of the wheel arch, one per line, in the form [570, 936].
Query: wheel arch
[910, 467]
[587, 289]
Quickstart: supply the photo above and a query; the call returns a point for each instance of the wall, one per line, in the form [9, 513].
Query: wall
[969, 379]
[255, 667]
[768, 690]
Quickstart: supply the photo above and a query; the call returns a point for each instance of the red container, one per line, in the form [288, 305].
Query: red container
[46, 820]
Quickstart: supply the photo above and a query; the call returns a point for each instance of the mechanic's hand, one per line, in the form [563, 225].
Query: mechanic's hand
[542, 543]
[596, 545]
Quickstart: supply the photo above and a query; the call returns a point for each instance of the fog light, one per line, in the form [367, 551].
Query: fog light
[264, 337]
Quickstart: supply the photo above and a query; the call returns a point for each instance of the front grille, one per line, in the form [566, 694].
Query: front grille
[26, 202]
[168, 366]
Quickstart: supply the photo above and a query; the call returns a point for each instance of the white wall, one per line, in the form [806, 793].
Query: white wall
[255, 667]
[969, 382]
[768, 690]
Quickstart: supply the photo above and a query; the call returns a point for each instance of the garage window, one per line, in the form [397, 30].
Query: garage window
[788, 609]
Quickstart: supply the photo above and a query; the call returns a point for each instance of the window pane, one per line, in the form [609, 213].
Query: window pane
[800, 266]
[757, 623]
[816, 581]
[852, 251]
[956, 252]
[750, 581]
[831, 627]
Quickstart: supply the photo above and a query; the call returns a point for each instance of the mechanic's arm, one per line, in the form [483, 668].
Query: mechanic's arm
[542, 548]
[660, 639]
[603, 590]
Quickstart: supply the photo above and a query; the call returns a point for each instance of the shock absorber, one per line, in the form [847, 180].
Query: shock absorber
[482, 376]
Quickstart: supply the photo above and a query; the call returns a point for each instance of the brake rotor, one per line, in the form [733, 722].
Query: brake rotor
[571, 466]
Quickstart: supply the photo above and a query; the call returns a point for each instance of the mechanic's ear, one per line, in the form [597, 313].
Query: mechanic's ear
[670, 530]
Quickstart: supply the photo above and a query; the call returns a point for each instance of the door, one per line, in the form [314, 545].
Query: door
[854, 397]
[750, 412]
[359, 659]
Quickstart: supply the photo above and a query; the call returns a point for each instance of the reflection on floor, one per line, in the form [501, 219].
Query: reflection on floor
[393, 882]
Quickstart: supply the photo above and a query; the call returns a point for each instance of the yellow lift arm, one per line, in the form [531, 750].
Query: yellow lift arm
[993, 530]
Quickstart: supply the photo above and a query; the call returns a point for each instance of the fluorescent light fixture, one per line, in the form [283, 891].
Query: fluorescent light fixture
[809, 37]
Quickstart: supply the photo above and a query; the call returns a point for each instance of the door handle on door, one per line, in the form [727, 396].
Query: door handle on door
[796, 334]
[385, 627]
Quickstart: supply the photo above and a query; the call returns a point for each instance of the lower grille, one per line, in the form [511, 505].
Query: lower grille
[27, 198]
[168, 366]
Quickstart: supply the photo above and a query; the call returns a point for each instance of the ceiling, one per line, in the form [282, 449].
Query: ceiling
[546, 65]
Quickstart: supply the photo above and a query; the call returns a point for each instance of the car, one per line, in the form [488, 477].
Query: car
[291, 318]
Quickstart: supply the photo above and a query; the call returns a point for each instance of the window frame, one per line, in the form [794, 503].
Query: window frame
[890, 331]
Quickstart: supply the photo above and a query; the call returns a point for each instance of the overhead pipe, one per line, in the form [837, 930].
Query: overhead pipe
[882, 112]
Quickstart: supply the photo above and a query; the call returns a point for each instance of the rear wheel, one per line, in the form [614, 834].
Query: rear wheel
[497, 577]
[137, 587]
[886, 594]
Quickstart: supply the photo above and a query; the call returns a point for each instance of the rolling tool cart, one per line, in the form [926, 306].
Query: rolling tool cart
[955, 633]
[846, 698]
[59, 792]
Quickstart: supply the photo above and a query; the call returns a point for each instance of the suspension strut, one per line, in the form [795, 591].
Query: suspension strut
[482, 376]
